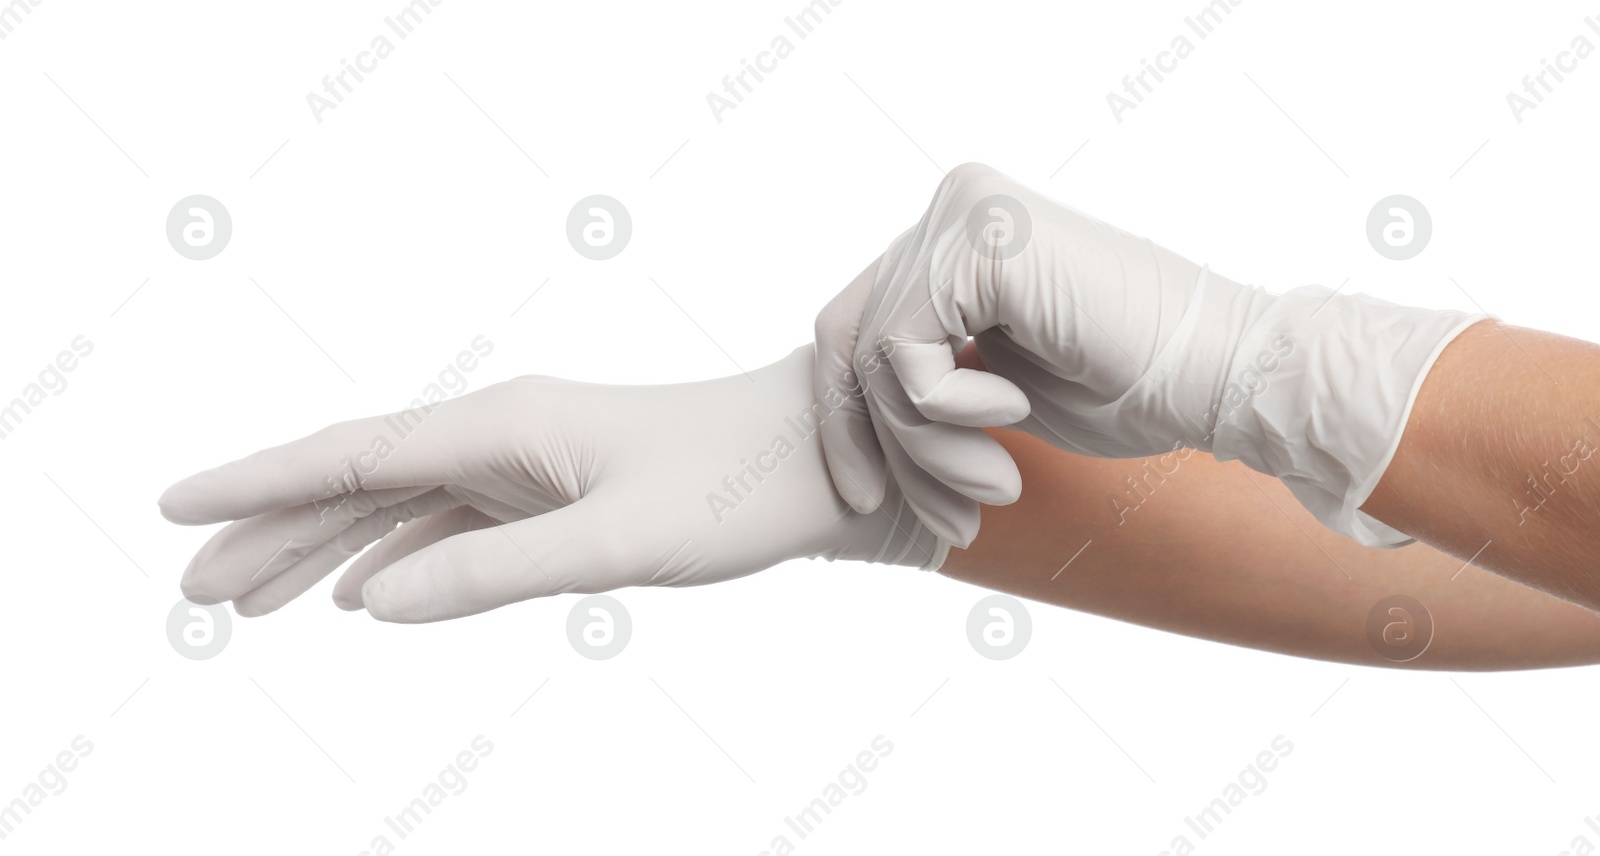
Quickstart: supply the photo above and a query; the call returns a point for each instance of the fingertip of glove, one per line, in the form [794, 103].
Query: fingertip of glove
[974, 399]
[196, 595]
[858, 497]
[1004, 492]
[385, 599]
[246, 608]
[979, 469]
[348, 602]
[185, 503]
[855, 463]
[958, 527]
[375, 596]
[1011, 406]
[1007, 486]
[173, 507]
[192, 583]
[955, 536]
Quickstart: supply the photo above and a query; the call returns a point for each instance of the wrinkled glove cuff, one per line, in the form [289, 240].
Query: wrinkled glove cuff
[1326, 412]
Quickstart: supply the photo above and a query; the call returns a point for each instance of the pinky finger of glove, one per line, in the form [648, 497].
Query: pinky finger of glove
[573, 548]
[944, 393]
[402, 542]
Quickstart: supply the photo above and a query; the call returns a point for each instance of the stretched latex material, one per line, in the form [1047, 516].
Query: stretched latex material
[1106, 344]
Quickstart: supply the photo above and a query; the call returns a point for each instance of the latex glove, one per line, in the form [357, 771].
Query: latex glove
[1106, 344]
[537, 486]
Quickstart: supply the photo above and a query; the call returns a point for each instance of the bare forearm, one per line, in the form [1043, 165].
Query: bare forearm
[1219, 552]
[1498, 459]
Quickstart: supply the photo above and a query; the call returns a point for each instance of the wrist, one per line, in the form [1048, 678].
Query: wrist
[1323, 385]
[892, 534]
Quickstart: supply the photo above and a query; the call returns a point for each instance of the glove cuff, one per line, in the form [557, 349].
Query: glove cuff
[907, 542]
[1324, 384]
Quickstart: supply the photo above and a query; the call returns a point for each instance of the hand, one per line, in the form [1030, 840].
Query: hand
[537, 486]
[1106, 344]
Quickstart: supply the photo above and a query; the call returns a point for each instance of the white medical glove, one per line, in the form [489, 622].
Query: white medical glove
[537, 486]
[1106, 344]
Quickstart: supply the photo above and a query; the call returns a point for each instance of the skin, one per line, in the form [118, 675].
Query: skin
[1220, 552]
[1504, 405]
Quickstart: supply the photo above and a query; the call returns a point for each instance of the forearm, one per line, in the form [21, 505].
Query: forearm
[1498, 459]
[1219, 552]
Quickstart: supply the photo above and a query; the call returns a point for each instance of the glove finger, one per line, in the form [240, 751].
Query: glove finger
[411, 447]
[943, 393]
[402, 542]
[848, 443]
[951, 516]
[575, 548]
[855, 461]
[1065, 412]
[247, 553]
[965, 459]
[273, 594]
[296, 580]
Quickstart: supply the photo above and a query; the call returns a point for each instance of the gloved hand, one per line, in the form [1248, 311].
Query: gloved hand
[1105, 344]
[537, 486]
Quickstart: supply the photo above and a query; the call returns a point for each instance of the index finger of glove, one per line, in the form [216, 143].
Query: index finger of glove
[403, 449]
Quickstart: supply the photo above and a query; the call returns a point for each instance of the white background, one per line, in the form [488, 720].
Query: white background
[407, 222]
